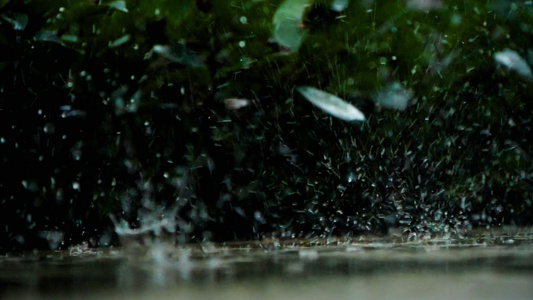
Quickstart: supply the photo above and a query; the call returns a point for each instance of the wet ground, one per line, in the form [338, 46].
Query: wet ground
[481, 265]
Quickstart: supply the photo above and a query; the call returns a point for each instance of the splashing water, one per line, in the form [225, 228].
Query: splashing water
[484, 265]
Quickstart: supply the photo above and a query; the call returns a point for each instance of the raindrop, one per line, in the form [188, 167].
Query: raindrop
[76, 153]
[394, 96]
[259, 217]
[455, 19]
[243, 20]
[350, 178]
[76, 185]
[20, 239]
[120, 41]
[59, 196]
[178, 53]
[235, 103]
[54, 238]
[49, 128]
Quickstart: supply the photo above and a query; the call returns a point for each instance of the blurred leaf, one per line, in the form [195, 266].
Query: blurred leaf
[394, 96]
[19, 20]
[118, 5]
[513, 61]
[331, 104]
[287, 21]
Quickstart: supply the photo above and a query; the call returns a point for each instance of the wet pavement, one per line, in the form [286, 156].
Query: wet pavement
[481, 265]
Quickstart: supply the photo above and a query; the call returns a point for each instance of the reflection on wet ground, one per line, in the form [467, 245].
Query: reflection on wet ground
[482, 265]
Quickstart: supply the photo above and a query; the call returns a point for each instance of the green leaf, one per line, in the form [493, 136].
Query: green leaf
[118, 5]
[287, 23]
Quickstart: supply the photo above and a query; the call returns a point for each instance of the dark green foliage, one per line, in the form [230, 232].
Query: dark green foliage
[104, 108]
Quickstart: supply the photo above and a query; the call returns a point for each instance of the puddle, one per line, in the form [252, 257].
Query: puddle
[484, 265]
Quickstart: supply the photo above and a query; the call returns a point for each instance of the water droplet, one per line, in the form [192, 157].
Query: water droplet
[49, 128]
[259, 217]
[235, 103]
[54, 238]
[59, 195]
[394, 96]
[76, 154]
